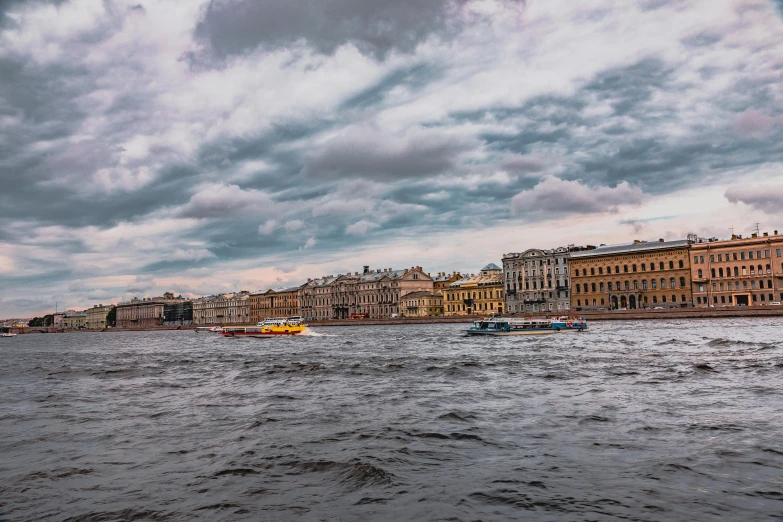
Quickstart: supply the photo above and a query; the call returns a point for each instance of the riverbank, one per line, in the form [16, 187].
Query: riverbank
[591, 315]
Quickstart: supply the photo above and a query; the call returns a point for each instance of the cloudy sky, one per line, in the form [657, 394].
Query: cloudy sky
[154, 145]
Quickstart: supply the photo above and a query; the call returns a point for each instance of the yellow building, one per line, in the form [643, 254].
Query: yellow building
[274, 303]
[476, 294]
[96, 316]
[75, 320]
[423, 304]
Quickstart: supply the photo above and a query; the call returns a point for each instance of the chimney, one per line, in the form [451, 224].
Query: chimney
[660, 240]
[776, 232]
[366, 268]
[754, 235]
[766, 234]
[734, 236]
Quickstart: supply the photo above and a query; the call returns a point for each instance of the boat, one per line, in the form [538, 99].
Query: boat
[8, 335]
[265, 329]
[202, 329]
[527, 326]
[215, 329]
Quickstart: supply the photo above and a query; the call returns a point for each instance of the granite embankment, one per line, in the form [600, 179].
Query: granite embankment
[592, 315]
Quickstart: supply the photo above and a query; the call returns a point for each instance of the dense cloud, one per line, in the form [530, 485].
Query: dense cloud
[232, 27]
[158, 146]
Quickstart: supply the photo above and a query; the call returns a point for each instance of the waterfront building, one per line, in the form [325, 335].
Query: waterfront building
[739, 271]
[96, 316]
[442, 280]
[57, 319]
[423, 304]
[538, 280]
[637, 275]
[230, 308]
[481, 293]
[145, 312]
[374, 293]
[178, 312]
[274, 303]
[75, 320]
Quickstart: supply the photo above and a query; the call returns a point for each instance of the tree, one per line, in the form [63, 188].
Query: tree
[111, 317]
[35, 321]
[48, 320]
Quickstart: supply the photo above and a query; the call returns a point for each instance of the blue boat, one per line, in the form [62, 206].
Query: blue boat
[527, 326]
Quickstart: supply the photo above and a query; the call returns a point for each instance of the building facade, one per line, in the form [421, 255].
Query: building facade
[222, 309]
[75, 320]
[481, 293]
[371, 293]
[423, 304]
[637, 275]
[538, 280]
[96, 316]
[442, 280]
[738, 272]
[274, 303]
[178, 313]
[146, 312]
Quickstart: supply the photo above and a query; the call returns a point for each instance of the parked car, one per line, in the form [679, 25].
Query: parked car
[774, 303]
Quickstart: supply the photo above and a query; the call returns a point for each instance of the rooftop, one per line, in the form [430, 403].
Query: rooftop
[636, 246]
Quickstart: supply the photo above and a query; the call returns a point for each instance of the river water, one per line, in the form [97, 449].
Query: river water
[654, 420]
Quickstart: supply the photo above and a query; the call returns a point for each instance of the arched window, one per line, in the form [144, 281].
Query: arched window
[600, 270]
[593, 302]
[671, 264]
[674, 298]
[644, 267]
[627, 285]
[602, 301]
[663, 299]
[663, 283]
[617, 269]
[633, 268]
[752, 270]
[625, 268]
[644, 284]
[578, 302]
[592, 271]
[769, 271]
[578, 286]
[636, 285]
[769, 283]
[682, 282]
[617, 286]
[593, 286]
[654, 284]
[661, 265]
[682, 298]
[720, 272]
[713, 272]
[672, 283]
[744, 271]
[700, 273]
[655, 299]
[682, 265]
[761, 284]
[736, 271]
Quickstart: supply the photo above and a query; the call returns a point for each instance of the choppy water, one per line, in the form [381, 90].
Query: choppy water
[633, 421]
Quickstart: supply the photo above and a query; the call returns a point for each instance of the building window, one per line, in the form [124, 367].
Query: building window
[777, 252]
[617, 269]
[578, 288]
[654, 284]
[625, 268]
[674, 298]
[701, 260]
[578, 302]
[633, 268]
[655, 299]
[766, 253]
[700, 274]
[627, 285]
[742, 255]
[617, 286]
[644, 267]
[682, 282]
[636, 285]
[712, 272]
[663, 299]
[602, 301]
[661, 263]
[663, 283]
[736, 271]
[601, 286]
[644, 284]
[593, 286]
[695, 260]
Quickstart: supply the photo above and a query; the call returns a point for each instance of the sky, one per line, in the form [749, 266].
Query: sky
[158, 145]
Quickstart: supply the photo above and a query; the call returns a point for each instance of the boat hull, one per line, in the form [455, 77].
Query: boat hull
[260, 334]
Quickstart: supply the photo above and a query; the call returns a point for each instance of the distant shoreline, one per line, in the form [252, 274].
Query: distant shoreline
[592, 315]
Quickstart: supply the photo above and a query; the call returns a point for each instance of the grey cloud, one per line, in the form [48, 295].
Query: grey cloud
[231, 27]
[557, 197]
[367, 153]
[767, 198]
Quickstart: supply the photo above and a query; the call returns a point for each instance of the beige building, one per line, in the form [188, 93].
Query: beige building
[442, 280]
[476, 294]
[423, 304]
[637, 275]
[274, 303]
[75, 320]
[740, 271]
[374, 293]
[146, 312]
[222, 309]
[96, 316]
